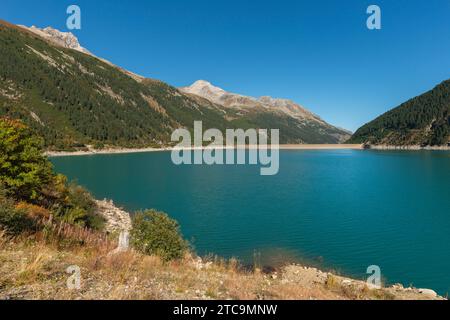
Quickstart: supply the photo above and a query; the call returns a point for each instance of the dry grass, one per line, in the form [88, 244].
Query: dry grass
[296, 292]
[356, 290]
[30, 269]
[64, 234]
[3, 239]
[245, 286]
[34, 267]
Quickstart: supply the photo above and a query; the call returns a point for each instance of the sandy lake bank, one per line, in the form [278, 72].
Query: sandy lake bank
[140, 150]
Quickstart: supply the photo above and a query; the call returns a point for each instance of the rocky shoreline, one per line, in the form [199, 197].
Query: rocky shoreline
[117, 220]
[306, 277]
[310, 278]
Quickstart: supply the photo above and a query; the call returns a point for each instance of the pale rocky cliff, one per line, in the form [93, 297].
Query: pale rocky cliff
[226, 99]
[63, 39]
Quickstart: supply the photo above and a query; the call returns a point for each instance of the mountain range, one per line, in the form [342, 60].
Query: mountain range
[245, 104]
[73, 99]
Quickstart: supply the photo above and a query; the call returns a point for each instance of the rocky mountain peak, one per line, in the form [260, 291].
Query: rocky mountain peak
[206, 90]
[63, 39]
[227, 99]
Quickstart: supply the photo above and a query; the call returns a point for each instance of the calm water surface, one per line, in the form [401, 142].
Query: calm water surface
[342, 209]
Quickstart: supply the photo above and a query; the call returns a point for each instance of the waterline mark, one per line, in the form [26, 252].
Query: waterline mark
[231, 151]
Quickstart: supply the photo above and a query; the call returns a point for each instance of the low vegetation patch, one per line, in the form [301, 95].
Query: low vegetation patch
[155, 233]
[31, 191]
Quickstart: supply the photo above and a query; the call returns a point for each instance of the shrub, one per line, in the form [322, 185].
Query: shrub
[33, 211]
[155, 233]
[73, 204]
[14, 221]
[95, 221]
[81, 217]
[27, 177]
[24, 170]
[75, 216]
[83, 209]
[99, 146]
[80, 198]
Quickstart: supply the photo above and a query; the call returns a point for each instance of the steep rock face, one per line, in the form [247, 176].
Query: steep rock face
[64, 39]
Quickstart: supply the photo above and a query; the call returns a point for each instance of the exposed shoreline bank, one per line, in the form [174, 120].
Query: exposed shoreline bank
[281, 147]
[409, 148]
[143, 150]
[117, 219]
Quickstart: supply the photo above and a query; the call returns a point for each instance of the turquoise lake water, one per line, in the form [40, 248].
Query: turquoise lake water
[343, 209]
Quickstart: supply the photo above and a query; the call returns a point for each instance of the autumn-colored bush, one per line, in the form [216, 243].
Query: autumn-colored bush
[14, 221]
[33, 211]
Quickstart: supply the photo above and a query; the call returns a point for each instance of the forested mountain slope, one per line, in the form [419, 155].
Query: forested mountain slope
[423, 120]
[73, 98]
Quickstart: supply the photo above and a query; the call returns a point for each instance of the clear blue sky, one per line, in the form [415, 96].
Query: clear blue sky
[318, 53]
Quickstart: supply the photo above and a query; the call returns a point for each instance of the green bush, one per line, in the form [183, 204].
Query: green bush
[83, 208]
[75, 205]
[75, 216]
[95, 221]
[155, 233]
[13, 220]
[27, 175]
[80, 197]
[24, 170]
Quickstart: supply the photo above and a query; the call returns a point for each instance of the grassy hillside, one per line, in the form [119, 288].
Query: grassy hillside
[73, 99]
[423, 120]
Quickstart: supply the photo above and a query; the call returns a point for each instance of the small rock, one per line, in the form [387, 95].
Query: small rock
[397, 286]
[428, 292]
[372, 286]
